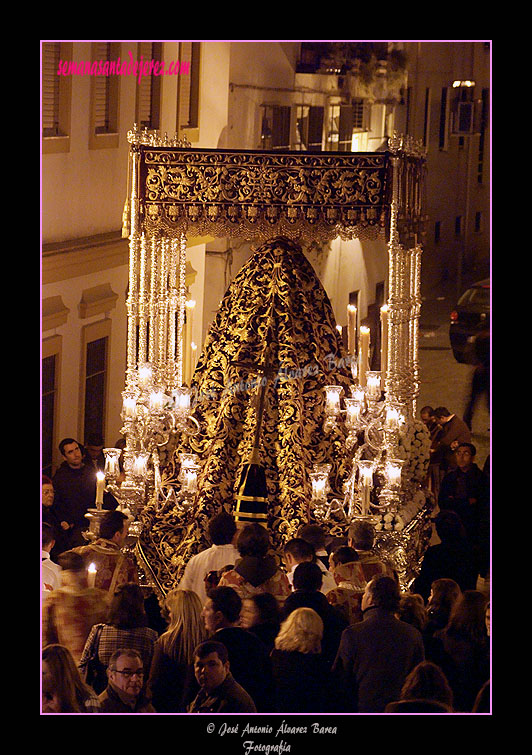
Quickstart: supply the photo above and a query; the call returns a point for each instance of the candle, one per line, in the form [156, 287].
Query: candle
[91, 575]
[363, 354]
[351, 328]
[140, 465]
[353, 412]
[393, 416]
[156, 401]
[384, 340]
[145, 375]
[365, 469]
[182, 400]
[332, 399]
[373, 385]
[393, 471]
[100, 485]
[129, 407]
[191, 477]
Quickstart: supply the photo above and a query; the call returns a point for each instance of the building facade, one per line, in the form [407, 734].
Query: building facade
[232, 95]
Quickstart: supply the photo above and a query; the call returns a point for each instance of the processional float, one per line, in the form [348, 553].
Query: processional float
[342, 442]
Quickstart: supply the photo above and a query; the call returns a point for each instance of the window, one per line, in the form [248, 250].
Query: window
[309, 127]
[188, 90]
[48, 404]
[275, 131]
[55, 97]
[437, 231]
[104, 99]
[94, 374]
[50, 371]
[148, 105]
[458, 225]
[444, 119]
[95, 384]
[426, 127]
[484, 116]
[340, 128]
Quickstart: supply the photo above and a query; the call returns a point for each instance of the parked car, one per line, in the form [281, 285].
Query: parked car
[470, 318]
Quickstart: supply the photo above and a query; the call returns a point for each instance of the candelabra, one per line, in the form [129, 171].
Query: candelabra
[151, 415]
[372, 441]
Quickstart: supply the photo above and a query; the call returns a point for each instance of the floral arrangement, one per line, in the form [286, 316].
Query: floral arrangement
[414, 447]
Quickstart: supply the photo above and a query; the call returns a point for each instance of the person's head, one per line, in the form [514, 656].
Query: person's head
[261, 608]
[94, 445]
[126, 671]
[441, 415]
[465, 454]
[449, 526]
[211, 664]
[114, 526]
[71, 450]
[412, 611]
[221, 529]
[62, 674]
[313, 534]
[381, 592]
[342, 555]
[50, 698]
[296, 551]
[127, 609]
[427, 415]
[185, 629]
[301, 631]
[253, 540]
[48, 537]
[47, 492]
[221, 609]
[307, 576]
[468, 617]
[444, 593]
[361, 536]
[427, 681]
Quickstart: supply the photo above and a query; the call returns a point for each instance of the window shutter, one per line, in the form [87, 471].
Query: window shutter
[144, 94]
[281, 127]
[101, 91]
[315, 127]
[50, 88]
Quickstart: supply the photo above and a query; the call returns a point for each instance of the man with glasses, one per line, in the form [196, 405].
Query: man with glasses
[125, 692]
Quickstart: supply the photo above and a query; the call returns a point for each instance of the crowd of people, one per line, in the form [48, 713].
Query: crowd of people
[323, 627]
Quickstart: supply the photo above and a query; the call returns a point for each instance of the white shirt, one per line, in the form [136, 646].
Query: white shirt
[50, 572]
[212, 559]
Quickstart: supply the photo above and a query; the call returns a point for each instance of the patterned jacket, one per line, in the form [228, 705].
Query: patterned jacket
[141, 639]
[276, 581]
[69, 614]
[347, 596]
[105, 555]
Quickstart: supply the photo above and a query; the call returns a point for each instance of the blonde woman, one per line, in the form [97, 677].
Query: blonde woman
[302, 678]
[172, 683]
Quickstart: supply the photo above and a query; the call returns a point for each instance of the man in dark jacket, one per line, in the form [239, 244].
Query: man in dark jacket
[465, 490]
[376, 655]
[219, 692]
[75, 491]
[125, 689]
[248, 656]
